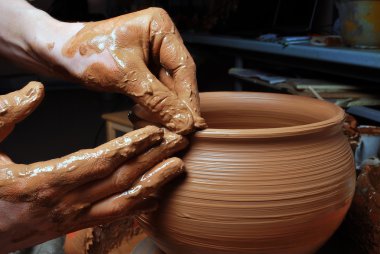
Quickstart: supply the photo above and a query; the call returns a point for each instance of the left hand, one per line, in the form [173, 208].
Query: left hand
[43, 200]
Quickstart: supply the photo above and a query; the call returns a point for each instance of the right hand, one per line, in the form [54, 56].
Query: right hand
[44, 200]
[139, 54]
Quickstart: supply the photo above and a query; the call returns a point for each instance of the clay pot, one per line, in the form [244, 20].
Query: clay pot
[272, 174]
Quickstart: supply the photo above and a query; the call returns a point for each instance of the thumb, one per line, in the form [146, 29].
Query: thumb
[16, 106]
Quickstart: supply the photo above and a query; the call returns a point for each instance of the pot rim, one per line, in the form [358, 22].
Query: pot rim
[336, 119]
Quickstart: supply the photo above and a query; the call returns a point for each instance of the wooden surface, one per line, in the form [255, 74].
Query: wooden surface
[120, 117]
[117, 121]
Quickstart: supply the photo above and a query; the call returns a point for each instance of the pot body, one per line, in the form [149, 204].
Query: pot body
[257, 192]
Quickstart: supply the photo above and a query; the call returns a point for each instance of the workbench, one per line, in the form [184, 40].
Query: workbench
[117, 123]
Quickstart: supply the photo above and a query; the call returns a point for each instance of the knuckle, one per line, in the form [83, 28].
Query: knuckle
[160, 24]
[19, 190]
[103, 165]
[120, 181]
[45, 195]
[157, 11]
[24, 192]
[159, 103]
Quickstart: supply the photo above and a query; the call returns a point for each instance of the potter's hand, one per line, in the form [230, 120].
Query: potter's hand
[15, 106]
[47, 199]
[44, 200]
[141, 55]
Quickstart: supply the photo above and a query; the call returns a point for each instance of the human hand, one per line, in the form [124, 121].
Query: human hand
[139, 54]
[16, 106]
[44, 200]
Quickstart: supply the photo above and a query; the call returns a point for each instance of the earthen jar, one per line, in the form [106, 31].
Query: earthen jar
[272, 174]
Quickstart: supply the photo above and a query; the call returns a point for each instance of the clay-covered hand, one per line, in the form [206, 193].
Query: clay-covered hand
[15, 106]
[44, 200]
[140, 54]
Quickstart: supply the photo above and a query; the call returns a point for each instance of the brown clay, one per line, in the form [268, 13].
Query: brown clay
[87, 188]
[273, 174]
[109, 236]
[126, 45]
[76, 167]
[15, 106]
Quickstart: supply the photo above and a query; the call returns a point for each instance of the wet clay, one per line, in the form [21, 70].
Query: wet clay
[86, 188]
[167, 90]
[110, 236]
[105, 238]
[74, 168]
[273, 174]
[15, 106]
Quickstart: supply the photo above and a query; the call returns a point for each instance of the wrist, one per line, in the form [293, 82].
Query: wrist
[19, 41]
[46, 40]
[42, 40]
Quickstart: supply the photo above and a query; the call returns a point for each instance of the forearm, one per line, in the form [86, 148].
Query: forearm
[28, 35]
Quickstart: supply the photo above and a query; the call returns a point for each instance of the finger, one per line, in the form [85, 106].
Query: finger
[145, 89]
[87, 165]
[177, 62]
[122, 204]
[170, 52]
[126, 174]
[157, 99]
[5, 160]
[142, 113]
[165, 76]
[16, 106]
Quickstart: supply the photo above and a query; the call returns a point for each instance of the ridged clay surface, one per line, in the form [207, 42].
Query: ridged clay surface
[272, 174]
